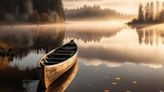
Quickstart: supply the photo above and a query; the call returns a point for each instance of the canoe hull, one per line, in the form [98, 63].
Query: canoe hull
[48, 74]
[61, 84]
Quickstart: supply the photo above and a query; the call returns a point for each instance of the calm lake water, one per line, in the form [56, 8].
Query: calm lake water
[113, 57]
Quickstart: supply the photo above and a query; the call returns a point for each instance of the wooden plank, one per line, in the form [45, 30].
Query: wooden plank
[50, 63]
[61, 51]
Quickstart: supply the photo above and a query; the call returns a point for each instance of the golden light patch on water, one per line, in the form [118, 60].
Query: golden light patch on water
[128, 91]
[106, 90]
[117, 78]
[134, 82]
[114, 83]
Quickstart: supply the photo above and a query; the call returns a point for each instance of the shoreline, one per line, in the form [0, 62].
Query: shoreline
[139, 26]
[159, 27]
[147, 26]
[142, 25]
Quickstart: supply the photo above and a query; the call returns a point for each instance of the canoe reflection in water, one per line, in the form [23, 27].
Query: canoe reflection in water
[62, 83]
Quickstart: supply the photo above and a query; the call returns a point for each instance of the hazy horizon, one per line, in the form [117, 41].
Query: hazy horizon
[123, 6]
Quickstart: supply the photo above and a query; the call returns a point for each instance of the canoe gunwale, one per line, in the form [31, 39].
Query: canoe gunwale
[43, 59]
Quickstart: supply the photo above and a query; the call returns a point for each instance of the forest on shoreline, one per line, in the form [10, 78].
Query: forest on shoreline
[90, 12]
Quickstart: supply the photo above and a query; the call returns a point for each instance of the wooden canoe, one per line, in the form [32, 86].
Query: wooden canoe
[55, 63]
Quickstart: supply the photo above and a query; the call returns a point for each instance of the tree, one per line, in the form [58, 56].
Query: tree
[141, 13]
[157, 10]
[147, 12]
[152, 11]
[162, 13]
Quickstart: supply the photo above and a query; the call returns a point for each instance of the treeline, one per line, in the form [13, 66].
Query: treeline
[93, 12]
[152, 12]
[31, 11]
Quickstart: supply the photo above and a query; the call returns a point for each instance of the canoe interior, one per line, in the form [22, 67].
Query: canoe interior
[61, 54]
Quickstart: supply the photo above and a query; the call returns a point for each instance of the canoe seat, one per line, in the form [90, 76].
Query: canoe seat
[66, 52]
[67, 49]
[59, 56]
[56, 59]
[50, 63]
[69, 54]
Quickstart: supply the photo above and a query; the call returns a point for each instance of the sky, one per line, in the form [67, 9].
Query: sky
[123, 6]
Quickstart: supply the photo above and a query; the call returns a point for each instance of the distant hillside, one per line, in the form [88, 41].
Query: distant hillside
[34, 11]
[96, 11]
